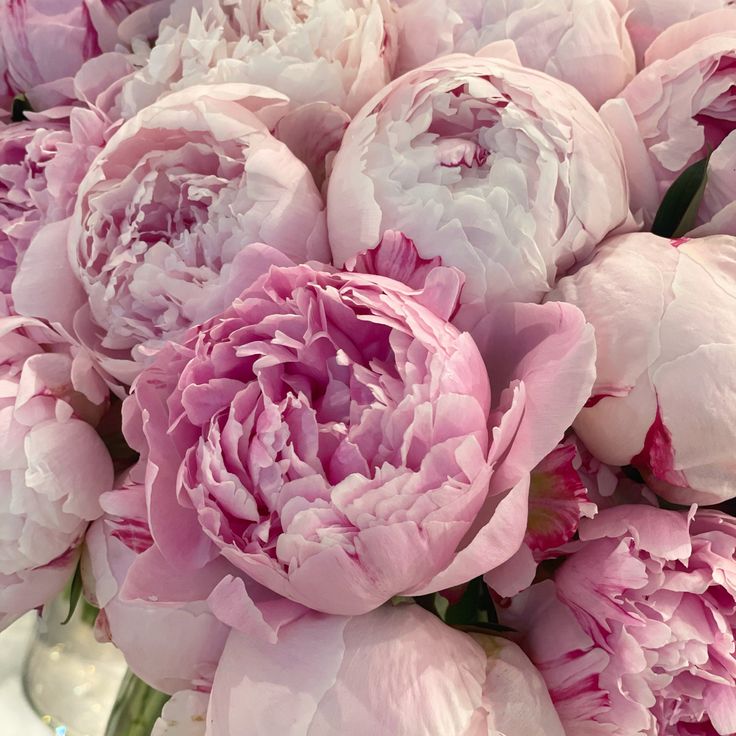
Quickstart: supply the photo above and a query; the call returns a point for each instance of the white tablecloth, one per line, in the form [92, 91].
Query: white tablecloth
[16, 716]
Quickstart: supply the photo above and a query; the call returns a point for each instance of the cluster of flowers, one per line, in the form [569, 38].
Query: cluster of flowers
[374, 360]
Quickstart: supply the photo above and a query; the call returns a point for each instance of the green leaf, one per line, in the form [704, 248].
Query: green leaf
[484, 628]
[75, 593]
[678, 212]
[474, 608]
[19, 109]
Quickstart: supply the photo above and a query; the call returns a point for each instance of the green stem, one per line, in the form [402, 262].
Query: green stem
[136, 709]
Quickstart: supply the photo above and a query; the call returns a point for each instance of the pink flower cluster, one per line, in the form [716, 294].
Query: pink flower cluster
[373, 361]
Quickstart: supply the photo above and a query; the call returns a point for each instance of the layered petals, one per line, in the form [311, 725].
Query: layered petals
[53, 466]
[425, 679]
[339, 52]
[484, 164]
[635, 634]
[582, 42]
[43, 45]
[664, 328]
[678, 110]
[167, 212]
[336, 440]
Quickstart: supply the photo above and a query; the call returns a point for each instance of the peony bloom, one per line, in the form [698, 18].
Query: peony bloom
[172, 642]
[398, 670]
[334, 438]
[26, 149]
[41, 166]
[335, 51]
[484, 164]
[635, 634]
[53, 466]
[581, 42]
[162, 216]
[648, 18]
[43, 44]
[678, 109]
[664, 326]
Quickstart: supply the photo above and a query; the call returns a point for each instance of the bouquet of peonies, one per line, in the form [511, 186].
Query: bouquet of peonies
[373, 362]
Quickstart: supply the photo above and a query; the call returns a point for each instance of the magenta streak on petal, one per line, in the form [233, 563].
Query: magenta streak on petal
[556, 494]
[657, 455]
[134, 534]
[593, 400]
[677, 242]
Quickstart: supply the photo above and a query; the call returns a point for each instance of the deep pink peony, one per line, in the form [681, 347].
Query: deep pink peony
[677, 109]
[43, 43]
[162, 216]
[635, 634]
[398, 670]
[581, 42]
[334, 438]
[485, 164]
[664, 323]
[53, 465]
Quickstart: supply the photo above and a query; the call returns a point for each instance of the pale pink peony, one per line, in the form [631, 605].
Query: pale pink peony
[335, 439]
[648, 18]
[175, 197]
[677, 109]
[664, 323]
[635, 634]
[482, 163]
[335, 51]
[53, 466]
[581, 42]
[43, 43]
[398, 670]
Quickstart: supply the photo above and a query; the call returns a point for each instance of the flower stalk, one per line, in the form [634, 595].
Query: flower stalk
[136, 708]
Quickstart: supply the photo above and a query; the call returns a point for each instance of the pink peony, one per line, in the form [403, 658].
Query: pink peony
[581, 42]
[635, 635]
[43, 43]
[335, 439]
[176, 196]
[648, 18]
[41, 166]
[335, 51]
[664, 325]
[677, 109]
[53, 466]
[484, 164]
[398, 670]
[173, 641]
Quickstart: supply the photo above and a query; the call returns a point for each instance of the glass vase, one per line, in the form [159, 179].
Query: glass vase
[70, 679]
